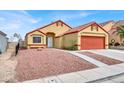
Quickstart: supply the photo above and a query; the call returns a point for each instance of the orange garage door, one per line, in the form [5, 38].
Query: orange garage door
[92, 42]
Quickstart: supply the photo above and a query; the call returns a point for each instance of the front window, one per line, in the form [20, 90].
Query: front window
[36, 39]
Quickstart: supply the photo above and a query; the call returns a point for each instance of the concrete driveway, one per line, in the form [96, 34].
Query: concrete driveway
[116, 54]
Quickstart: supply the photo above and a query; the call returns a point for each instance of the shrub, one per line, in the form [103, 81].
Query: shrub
[110, 44]
[116, 44]
[71, 48]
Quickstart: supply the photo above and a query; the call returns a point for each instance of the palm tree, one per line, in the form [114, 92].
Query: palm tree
[120, 31]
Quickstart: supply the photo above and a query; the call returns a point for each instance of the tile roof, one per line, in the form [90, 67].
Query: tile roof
[104, 23]
[53, 23]
[48, 25]
[114, 27]
[77, 29]
[2, 33]
[112, 31]
[120, 22]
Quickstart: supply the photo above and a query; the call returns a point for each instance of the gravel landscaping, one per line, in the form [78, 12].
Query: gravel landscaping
[101, 58]
[33, 64]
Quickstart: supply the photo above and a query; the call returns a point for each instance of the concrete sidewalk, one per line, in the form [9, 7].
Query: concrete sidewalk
[89, 59]
[104, 73]
[91, 75]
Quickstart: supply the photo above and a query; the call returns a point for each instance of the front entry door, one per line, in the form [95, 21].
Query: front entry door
[50, 42]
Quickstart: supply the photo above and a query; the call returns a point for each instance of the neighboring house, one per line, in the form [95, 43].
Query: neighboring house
[111, 28]
[60, 35]
[108, 25]
[3, 42]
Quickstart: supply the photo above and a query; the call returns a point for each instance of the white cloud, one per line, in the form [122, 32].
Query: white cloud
[22, 22]
[67, 16]
[11, 25]
[35, 21]
[16, 21]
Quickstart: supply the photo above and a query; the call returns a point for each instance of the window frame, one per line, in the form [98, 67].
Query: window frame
[37, 39]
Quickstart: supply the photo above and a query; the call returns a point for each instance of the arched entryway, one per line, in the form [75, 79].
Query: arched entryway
[50, 39]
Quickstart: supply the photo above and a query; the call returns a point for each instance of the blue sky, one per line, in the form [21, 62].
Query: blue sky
[24, 21]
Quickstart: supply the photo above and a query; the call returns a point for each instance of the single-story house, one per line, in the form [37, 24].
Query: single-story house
[3, 42]
[60, 35]
[45, 36]
[111, 28]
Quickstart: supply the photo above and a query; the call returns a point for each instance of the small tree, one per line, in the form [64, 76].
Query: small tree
[120, 31]
[15, 38]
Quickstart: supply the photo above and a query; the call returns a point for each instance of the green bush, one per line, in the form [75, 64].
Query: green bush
[116, 44]
[110, 44]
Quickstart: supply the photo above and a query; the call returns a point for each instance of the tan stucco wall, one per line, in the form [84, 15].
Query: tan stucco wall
[76, 37]
[88, 32]
[70, 40]
[58, 30]
[29, 39]
[59, 42]
[115, 37]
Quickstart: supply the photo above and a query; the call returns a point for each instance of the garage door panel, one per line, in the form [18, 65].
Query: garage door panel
[92, 42]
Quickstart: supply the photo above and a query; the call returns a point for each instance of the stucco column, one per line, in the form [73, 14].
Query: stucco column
[79, 41]
[106, 41]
